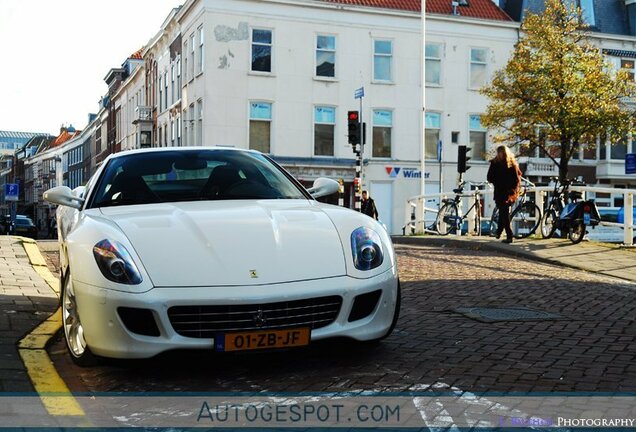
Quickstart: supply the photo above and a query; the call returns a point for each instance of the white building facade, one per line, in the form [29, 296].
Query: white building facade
[280, 76]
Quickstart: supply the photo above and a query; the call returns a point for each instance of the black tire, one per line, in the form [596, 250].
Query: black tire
[549, 223]
[525, 220]
[494, 223]
[80, 353]
[577, 233]
[446, 222]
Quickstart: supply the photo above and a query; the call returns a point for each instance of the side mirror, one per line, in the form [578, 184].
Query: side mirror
[63, 195]
[323, 187]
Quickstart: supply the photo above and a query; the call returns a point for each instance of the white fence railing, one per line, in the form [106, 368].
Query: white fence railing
[421, 210]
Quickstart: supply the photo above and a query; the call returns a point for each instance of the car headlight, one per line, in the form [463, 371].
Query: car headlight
[115, 263]
[366, 248]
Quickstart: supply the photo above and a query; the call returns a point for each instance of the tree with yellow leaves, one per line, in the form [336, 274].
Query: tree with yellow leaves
[557, 89]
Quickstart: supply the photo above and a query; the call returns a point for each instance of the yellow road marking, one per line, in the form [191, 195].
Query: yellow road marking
[33, 352]
[34, 254]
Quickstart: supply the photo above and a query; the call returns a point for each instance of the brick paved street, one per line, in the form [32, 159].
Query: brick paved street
[592, 349]
[25, 301]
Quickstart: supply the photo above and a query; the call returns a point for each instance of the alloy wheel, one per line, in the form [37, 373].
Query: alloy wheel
[73, 330]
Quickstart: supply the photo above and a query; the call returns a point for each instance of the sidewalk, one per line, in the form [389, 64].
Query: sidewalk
[25, 301]
[601, 258]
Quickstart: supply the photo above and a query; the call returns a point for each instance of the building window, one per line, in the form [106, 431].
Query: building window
[165, 89]
[326, 56]
[178, 77]
[172, 82]
[587, 9]
[178, 120]
[477, 136]
[382, 60]
[173, 133]
[160, 94]
[478, 67]
[199, 137]
[618, 150]
[261, 50]
[185, 61]
[260, 126]
[382, 124]
[433, 53]
[192, 47]
[431, 135]
[628, 66]
[324, 125]
[200, 54]
[190, 124]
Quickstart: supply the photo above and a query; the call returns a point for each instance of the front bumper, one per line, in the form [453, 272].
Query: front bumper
[107, 336]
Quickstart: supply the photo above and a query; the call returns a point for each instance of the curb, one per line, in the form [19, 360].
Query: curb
[54, 393]
[493, 246]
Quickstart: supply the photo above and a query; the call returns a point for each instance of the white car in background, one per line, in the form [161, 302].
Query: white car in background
[218, 249]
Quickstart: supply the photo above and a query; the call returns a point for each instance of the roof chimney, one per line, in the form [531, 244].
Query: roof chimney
[454, 4]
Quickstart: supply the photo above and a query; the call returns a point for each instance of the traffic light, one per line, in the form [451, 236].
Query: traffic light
[353, 118]
[462, 159]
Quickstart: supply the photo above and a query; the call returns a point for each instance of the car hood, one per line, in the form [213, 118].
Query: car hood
[212, 243]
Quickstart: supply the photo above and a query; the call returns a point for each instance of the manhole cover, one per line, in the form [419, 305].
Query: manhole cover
[506, 314]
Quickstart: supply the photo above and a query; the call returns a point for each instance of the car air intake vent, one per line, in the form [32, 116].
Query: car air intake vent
[140, 321]
[205, 321]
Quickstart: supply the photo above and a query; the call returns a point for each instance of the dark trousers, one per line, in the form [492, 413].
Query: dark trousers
[504, 219]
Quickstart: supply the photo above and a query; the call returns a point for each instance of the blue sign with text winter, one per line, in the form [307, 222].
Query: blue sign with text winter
[11, 191]
[630, 163]
[359, 93]
[411, 173]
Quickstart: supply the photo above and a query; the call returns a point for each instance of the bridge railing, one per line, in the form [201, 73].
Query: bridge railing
[421, 210]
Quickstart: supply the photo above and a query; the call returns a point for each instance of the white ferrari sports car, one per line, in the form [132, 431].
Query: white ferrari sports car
[219, 249]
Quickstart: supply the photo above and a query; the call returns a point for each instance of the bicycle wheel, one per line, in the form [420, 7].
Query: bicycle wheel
[577, 233]
[549, 223]
[494, 223]
[447, 218]
[525, 219]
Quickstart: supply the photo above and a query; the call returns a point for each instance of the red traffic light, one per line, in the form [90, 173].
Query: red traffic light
[353, 115]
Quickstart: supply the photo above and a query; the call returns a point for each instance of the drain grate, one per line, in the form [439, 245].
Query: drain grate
[506, 314]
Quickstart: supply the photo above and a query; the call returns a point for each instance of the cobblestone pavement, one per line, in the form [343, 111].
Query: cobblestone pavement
[25, 301]
[593, 348]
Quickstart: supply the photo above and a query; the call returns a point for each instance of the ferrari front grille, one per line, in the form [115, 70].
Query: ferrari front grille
[206, 321]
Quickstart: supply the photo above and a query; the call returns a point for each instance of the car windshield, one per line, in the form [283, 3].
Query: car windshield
[23, 221]
[191, 175]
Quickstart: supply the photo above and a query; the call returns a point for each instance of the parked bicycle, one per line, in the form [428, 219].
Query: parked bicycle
[553, 208]
[573, 217]
[448, 217]
[525, 215]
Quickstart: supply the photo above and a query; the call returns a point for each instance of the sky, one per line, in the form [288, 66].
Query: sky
[56, 53]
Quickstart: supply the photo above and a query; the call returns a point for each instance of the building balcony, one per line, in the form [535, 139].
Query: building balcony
[611, 169]
[541, 168]
[142, 114]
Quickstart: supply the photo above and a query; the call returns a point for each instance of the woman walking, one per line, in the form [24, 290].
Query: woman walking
[505, 175]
